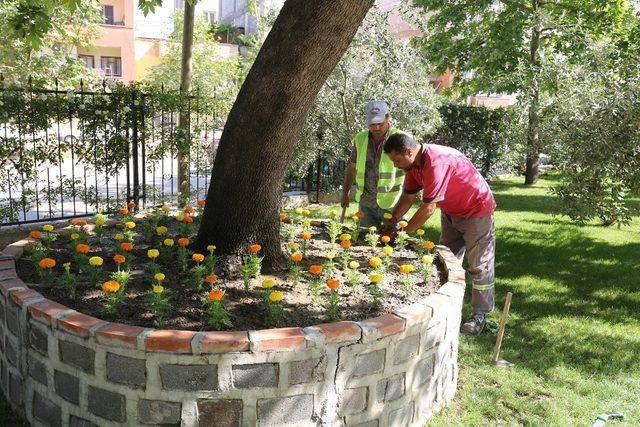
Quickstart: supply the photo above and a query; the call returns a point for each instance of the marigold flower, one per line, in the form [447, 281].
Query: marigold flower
[375, 262]
[131, 205]
[428, 244]
[201, 202]
[355, 218]
[159, 277]
[387, 215]
[47, 227]
[119, 259]
[129, 225]
[216, 295]
[268, 283]
[354, 265]
[315, 269]
[179, 217]
[168, 242]
[345, 236]
[359, 214]
[403, 224]
[183, 241]
[110, 286]
[346, 244]
[35, 234]
[387, 250]
[296, 257]
[153, 253]
[81, 223]
[96, 261]
[211, 278]
[126, 246]
[427, 259]
[211, 248]
[294, 246]
[330, 255]
[82, 248]
[73, 221]
[47, 263]
[276, 296]
[255, 248]
[74, 236]
[197, 258]
[305, 235]
[123, 211]
[100, 221]
[158, 289]
[406, 269]
[375, 277]
[165, 208]
[306, 212]
[161, 230]
[282, 217]
[119, 236]
[67, 266]
[299, 211]
[333, 213]
[333, 284]
[372, 229]
[188, 209]
[385, 239]
[187, 219]
[420, 232]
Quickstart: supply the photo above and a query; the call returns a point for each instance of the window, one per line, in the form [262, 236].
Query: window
[112, 66]
[107, 12]
[210, 17]
[87, 60]
[178, 4]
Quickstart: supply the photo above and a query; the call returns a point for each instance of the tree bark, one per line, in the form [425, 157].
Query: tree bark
[306, 42]
[533, 131]
[186, 73]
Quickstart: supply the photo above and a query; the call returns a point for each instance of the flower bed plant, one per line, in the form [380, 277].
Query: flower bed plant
[138, 268]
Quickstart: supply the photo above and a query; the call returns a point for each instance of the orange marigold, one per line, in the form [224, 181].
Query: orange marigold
[216, 295]
[78, 222]
[187, 219]
[126, 246]
[197, 257]
[305, 235]
[346, 244]
[375, 262]
[188, 209]
[183, 241]
[123, 211]
[35, 234]
[315, 269]
[131, 205]
[385, 239]
[296, 257]
[428, 244]
[119, 259]
[110, 286]
[333, 284]
[211, 278]
[201, 202]
[360, 214]
[47, 263]
[255, 248]
[82, 248]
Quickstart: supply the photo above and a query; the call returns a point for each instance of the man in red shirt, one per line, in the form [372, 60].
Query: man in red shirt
[449, 180]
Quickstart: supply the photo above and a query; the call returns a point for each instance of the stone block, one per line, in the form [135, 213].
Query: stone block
[2, 310]
[13, 321]
[16, 392]
[369, 363]
[67, 386]
[107, 404]
[306, 371]
[433, 336]
[423, 371]
[406, 349]
[220, 412]
[285, 410]
[159, 412]
[37, 370]
[77, 355]
[391, 388]
[255, 375]
[354, 400]
[3, 377]
[46, 411]
[189, 377]
[370, 423]
[80, 422]
[10, 352]
[39, 340]
[402, 416]
[126, 370]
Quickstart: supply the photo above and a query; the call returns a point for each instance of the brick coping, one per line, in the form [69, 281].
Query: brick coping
[57, 316]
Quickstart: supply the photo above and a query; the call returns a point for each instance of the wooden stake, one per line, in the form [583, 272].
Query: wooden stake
[503, 323]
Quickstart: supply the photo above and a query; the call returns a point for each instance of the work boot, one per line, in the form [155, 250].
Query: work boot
[475, 324]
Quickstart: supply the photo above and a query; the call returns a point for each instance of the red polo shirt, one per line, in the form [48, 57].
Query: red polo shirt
[449, 179]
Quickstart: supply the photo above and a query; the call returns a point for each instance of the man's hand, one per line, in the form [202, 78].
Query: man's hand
[344, 200]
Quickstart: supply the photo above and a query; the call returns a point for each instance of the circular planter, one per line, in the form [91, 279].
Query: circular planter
[61, 367]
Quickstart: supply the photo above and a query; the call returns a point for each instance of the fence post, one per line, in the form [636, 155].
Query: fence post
[134, 150]
[318, 178]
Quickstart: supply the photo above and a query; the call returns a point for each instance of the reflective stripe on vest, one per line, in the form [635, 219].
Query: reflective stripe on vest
[390, 179]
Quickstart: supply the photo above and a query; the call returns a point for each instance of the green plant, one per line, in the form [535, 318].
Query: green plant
[68, 280]
[218, 316]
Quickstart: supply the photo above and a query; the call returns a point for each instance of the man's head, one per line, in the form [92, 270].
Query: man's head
[377, 113]
[403, 150]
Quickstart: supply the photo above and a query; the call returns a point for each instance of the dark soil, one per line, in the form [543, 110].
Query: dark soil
[247, 310]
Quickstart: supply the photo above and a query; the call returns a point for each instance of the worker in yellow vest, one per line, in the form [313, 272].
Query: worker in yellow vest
[379, 183]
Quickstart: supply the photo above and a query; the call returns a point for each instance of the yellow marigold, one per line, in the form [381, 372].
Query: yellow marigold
[153, 253]
[387, 215]
[47, 227]
[129, 225]
[375, 262]
[306, 212]
[161, 230]
[216, 295]
[165, 208]
[385, 239]
[119, 236]
[268, 283]
[299, 211]
[315, 269]
[333, 284]
[255, 248]
[330, 255]
[406, 269]
[296, 257]
[74, 236]
[96, 261]
[345, 236]
[211, 278]
[211, 248]
[158, 289]
[276, 296]
[387, 250]
[354, 265]
[403, 224]
[332, 213]
[305, 235]
[168, 242]
[100, 221]
[159, 277]
[428, 244]
[82, 248]
[355, 218]
[179, 217]
[110, 286]
[294, 246]
[201, 202]
[47, 263]
[420, 232]
[119, 259]
[427, 259]
[375, 277]
[197, 258]
[35, 234]
[372, 229]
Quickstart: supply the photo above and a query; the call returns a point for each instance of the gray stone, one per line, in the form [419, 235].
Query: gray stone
[256, 375]
[3, 377]
[370, 423]
[189, 377]
[10, 352]
[369, 363]
[423, 371]
[126, 370]
[159, 412]
[77, 355]
[37, 370]
[107, 404]
[46, 411]
[80, 422]
[16, 393]
[1, 339]
[285, 410]
[306, 371]
[220, 412]
[391, 388]
[13, 323]
[406, 349]
[39, 340]
[2, 310]
[67, 386]
[433, 336]
[354, 400]
[402, 416]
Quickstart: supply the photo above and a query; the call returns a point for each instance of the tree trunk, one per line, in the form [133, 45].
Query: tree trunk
[306, 42]
[186, 72]
[533, 131]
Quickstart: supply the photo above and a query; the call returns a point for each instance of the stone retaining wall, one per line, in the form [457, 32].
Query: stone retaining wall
[61, 367]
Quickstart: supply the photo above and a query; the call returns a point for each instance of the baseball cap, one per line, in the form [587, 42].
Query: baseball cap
[376, 111]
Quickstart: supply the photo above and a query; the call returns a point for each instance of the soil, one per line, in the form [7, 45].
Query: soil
[247, 309]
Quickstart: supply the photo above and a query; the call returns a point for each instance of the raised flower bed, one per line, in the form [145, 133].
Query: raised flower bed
[394, 364]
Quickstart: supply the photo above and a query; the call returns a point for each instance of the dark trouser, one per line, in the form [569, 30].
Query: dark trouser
[475, 237]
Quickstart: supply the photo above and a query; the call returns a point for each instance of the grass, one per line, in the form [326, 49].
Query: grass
[574, 328]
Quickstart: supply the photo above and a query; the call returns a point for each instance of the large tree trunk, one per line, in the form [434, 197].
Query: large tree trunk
[306, 42]
[186, 72]
[533, 130]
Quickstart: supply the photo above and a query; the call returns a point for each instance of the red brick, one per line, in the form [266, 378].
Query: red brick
[43, 311]
[386, 325]
[119, 334]
[7, 284]
[224, 342]
[78, 324]
[456, 276]
[169, 341]
[340, 331]
[8, 273]
[23, 295]
[278, 339]
[415, 313]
